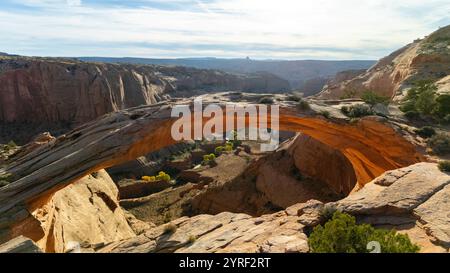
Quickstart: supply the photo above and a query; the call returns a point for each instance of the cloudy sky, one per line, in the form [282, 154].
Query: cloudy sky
[260, 29]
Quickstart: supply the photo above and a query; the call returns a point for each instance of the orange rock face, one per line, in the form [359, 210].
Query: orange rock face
[370, 146]
[324, 163]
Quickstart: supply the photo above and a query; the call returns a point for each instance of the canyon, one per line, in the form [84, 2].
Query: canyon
[59, 94]
[94, 186]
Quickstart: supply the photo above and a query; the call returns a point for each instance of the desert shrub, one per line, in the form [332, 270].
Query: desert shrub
[326, 114]
[209, 159]
[149, 178]
[440, 144]
[167, 216]
[425, 132]
[228, 147]
[234, 140]
[192, 239]
[373, 98]
[422, 100]
[442, 107]
[162, 176]
[170, 229]
[266, 100]
[218, 150]
[356, 111]
[343, 235]
[444, 166]
[303, 105]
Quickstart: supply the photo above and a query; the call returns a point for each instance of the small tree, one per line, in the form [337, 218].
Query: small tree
[421, 98]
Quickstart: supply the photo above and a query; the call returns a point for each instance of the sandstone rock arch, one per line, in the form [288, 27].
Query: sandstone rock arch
[371, 146]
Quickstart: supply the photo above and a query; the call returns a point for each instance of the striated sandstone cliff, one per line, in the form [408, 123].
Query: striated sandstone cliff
[427, 59]
[50, 90]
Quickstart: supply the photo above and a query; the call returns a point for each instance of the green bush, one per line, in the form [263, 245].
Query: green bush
[422, 100]
[440, 144]
[228, 147]
[170, 229]
[343, 235]
[356, 111]
[218, 150]
[425, 132]
[373, 98]
[266, 100]
[303, 105]
[326, 114]
[234, 140]
[209, 159]
[442, 107]
[444, 166]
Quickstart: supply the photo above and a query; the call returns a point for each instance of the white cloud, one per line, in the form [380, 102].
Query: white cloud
[74, 2]
[325, 29]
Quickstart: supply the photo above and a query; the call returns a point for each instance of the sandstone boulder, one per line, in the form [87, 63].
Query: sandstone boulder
[397, 191]
[86, 212]
[20, 245]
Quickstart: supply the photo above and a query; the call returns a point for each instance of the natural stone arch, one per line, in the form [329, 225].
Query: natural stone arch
[372, 148]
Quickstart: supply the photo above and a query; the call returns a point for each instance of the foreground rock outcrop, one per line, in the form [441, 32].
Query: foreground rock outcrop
[86, 212]
[225, 232]
[415, 196]
[411, 200]
[426, 59]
